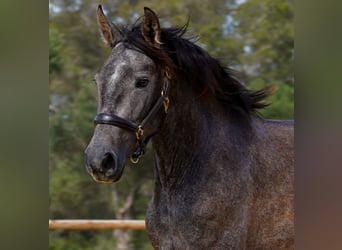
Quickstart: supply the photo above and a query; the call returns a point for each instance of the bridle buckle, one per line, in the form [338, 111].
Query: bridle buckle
[139, 133]
[166, 101]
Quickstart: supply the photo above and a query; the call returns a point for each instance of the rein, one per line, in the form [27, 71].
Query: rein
[138, 129]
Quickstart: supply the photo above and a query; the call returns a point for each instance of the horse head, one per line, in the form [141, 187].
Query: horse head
[132, 95]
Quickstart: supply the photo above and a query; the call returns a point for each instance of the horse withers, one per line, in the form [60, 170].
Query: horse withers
[223, 175]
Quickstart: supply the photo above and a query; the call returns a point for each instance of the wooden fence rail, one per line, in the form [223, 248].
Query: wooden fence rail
[97, 224]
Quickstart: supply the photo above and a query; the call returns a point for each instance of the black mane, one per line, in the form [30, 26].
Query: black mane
[190, 62]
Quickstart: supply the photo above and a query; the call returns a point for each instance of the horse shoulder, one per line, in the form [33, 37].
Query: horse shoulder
[272, 216]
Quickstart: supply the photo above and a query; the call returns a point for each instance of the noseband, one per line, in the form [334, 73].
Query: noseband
[138, 129]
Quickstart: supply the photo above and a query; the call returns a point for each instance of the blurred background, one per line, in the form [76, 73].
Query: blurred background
[254, 37]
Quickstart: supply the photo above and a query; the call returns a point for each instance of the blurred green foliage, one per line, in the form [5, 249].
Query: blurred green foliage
[254, 37]
[56, 43]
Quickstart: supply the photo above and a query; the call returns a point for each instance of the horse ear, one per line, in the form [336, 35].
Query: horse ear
[151, 28]
[110, 33]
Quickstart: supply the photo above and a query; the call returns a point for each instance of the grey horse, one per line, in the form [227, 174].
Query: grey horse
[223, 175]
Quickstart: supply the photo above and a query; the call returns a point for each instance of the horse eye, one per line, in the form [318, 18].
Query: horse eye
[141, 82]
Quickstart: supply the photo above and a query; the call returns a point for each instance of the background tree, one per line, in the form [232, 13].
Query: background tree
[254, 37]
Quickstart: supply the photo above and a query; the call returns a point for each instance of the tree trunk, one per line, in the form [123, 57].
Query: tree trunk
[123, 213]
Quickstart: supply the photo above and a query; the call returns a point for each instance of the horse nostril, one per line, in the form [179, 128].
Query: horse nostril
[108, 163]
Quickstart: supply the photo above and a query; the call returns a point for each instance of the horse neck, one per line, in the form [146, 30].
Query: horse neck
[185, 134]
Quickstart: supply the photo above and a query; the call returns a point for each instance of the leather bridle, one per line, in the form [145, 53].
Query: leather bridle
[138, 129]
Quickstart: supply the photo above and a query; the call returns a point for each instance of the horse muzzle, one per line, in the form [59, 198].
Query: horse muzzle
[105, 166]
